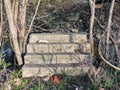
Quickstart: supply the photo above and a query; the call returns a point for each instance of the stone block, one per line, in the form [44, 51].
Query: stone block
[58, 38]
[85, 48]
[30, 70]
[74, 30]
[49, 38]
[52, 48]
[57, 58]
[80, 38]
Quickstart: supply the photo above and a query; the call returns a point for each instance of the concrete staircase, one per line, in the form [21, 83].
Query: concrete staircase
[51, 53]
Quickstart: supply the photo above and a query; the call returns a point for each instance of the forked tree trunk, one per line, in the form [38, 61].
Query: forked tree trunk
[13, 31]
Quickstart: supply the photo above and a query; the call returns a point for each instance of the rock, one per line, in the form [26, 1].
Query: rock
[74, 30]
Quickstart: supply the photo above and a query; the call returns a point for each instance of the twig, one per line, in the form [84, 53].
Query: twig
[99, 23]
[29, 30]
[46, 15]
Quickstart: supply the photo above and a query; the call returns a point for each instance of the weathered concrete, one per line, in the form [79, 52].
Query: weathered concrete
[59, 38]
[80, 38]
[51, 48]
[51, 53]
[56, 58]
[29, 71]
[59, 48]
[85, 48]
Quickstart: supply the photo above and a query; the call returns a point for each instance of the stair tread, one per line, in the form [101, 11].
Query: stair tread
[29, 71]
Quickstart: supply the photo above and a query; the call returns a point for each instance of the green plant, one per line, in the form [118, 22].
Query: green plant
[3, 64]
[109, 83]
[94, 86]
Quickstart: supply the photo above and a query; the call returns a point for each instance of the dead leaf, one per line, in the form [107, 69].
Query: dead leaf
[17, 81]
[56, 79]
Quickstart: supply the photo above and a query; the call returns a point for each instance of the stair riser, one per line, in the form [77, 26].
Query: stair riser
[58, 48]
[53, 59]
[59, 38]
[46, 71]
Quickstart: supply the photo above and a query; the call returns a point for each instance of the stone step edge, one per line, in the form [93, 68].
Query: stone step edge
[57, 65]
[63, 53]
[58, 33]
[87, 42]
[56, 59]
[46, 71]
[56, 37]
[44, 48]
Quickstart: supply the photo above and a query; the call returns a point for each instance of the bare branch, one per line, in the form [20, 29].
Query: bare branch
[109, 28]
[1, 22]
[92, 6]
[29, 30]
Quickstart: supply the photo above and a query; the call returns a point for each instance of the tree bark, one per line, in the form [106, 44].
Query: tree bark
[13, 31]
[109, 28]
[1, 21]
[15, 10]
[22, 22]
[92, 7]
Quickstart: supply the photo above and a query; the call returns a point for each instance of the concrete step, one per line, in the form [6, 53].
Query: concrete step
[57, 58]
[59, 48]
[37, 70]
[51, 48]
[56, 37]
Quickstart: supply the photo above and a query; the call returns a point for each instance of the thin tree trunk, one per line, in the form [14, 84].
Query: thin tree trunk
[23, 22]
[92, 7]
[13, 31]
[1, 21]
[15, 10]
[109, 28]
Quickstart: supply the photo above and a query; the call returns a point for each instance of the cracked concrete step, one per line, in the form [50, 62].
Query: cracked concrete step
[56, 37]
[34, 70]
[58, 58]
[59, 48]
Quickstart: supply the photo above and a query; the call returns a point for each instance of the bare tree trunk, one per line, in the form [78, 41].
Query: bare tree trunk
[15, 10]
[23, 21]
[13, 31]
[109, 28]
[1, 21]
[92, 7]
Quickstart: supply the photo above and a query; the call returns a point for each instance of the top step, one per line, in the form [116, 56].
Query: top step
[58, 38]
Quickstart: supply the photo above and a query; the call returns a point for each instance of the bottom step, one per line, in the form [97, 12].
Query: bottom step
[33, 70]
